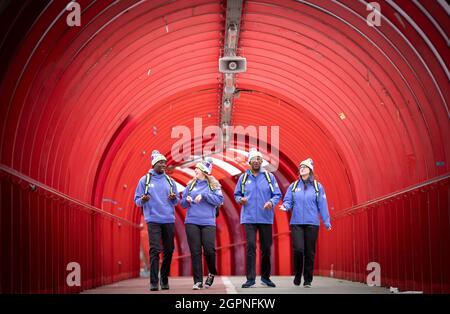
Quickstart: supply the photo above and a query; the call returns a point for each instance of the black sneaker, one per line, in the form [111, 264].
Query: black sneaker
[307, 285]
[209, 281]
[297, 281]
[248, 284]
[154, 287]
[267, 282]
[164, 285]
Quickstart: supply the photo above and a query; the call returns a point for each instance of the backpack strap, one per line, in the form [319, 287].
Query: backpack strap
[294, 186]
[148, 178]
[316, 187]
[170, 183]
[266, 173]
[244, 180]
[192, 185]
[194, 182]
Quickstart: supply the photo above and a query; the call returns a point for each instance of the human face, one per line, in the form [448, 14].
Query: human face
[256, 163]
[199, 174]
[304, 171]
[160, 166]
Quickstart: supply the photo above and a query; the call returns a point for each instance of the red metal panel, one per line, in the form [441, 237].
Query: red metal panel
[57, 233]
[424, 242]
[434, 238]
[402, 259]
[444, 234]
[409, 243]
[308, 62]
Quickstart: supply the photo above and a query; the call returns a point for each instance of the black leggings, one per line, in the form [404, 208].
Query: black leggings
[304, 239]
[156, 233]
[197, 237]
[265, 241]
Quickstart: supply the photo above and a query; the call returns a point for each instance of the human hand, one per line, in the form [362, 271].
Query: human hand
[268, 205]
[198, 198]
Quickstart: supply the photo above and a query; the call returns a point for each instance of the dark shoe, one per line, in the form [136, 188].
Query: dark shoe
[267, 282]
[164, 285]
[307, 285]
[248, 284]
[209, 281]
[154, 287]
[297, 281]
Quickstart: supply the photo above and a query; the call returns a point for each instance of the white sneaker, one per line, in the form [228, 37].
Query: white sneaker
[197, 286]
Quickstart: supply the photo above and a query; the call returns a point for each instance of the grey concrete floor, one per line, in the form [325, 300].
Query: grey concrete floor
[232, 285]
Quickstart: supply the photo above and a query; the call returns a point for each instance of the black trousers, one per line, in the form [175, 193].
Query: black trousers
[265, 243]
[198, 237]
[156, 233]
[304, 239]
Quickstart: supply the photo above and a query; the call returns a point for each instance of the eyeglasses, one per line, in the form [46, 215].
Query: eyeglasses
[303, 167]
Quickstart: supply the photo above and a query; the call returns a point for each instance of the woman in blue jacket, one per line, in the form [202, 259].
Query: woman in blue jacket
[307, 200]
[201, 197]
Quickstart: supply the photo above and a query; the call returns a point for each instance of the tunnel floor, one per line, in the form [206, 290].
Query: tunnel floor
[232, 285]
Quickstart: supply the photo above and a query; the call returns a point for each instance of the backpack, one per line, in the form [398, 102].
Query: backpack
[316, 187]
[244, 180]
[191, 187]
[148, 178]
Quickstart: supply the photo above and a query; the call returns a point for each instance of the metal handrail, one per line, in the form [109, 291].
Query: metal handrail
[66, 197]
[392, 195]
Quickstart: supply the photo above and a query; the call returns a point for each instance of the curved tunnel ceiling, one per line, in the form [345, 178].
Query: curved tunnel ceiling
[80, 105]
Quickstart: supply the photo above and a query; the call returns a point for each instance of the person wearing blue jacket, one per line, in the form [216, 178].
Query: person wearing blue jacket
[157, 194]
[258, 192]
[307, 200]
[201, 197]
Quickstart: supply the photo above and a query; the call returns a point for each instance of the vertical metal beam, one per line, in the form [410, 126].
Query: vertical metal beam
[232, 28]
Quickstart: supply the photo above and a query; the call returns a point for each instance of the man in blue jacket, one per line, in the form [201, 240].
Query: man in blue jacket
[157, 194]
[258, 192]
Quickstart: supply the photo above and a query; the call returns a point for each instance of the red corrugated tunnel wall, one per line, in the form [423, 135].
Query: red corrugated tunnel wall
[82, 107]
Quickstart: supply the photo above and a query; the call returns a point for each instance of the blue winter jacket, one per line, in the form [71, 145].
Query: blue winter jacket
[203, 213]
[158, 209]
[305, 208]
[257, 191]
